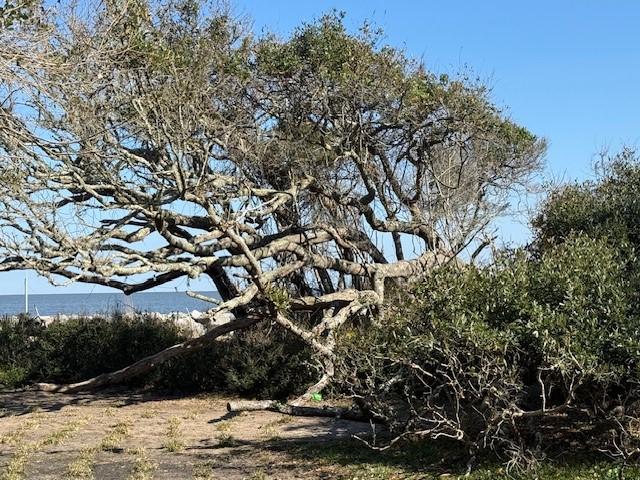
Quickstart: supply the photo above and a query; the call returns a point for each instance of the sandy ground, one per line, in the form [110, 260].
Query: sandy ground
[137, 436]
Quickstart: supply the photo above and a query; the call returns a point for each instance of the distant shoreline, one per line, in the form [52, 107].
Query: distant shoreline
[104, 303]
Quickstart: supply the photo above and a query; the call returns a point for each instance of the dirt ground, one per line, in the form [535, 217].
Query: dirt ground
[139, 436]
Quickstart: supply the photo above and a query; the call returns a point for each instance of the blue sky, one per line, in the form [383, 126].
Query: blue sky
[568, 70]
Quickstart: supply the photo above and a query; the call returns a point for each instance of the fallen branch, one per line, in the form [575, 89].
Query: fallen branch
[353, 414]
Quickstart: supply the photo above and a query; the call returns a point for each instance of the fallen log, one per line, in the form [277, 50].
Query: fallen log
[353, 414]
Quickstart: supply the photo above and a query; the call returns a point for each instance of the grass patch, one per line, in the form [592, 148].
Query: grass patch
[258, 475]
[110, 412]
[224, 437]
[14, 437]
[149, 412]
[226, 440]
[173, 445]
[224, 426]
[352, 460]
[113, 440]
[174, 441]
[16, 466]
[82, 467]
[203, 471]
[271, 431]
[143, 466]
[191, 415]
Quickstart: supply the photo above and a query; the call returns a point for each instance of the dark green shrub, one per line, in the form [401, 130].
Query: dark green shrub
[263, 362]
[606, 208]
[81, 348]
[478, 354]
[18, 347]
[488, 355]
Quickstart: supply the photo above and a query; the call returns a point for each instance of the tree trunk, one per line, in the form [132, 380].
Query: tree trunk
[147, 364]
[224, 285]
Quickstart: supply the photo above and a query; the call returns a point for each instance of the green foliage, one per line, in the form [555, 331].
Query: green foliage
[607, 207]
[81, 348]
[324, 48]
[469, 346]
[11, 376]
[263, 362]
[78, 348]
[478, 353]
[17, 338]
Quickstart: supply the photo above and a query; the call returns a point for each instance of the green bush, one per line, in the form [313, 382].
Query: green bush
[76, 349]
[81, 348]
[12, 376]
[605, 208]
[17, 338]
[262, 361]
[488, 355]
[476, 354]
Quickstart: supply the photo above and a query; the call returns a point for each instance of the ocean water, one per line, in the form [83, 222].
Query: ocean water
[97, 303]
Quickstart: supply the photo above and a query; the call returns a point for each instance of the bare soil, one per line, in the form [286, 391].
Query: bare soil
[141, 436]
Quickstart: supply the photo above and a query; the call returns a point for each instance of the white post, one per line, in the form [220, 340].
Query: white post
[26, 294]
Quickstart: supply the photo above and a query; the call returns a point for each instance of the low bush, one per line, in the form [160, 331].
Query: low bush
[17, 337]
[78, 348]
[263, 362]
[258, 362]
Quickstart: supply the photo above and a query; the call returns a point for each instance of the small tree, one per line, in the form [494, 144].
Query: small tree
[293, 173]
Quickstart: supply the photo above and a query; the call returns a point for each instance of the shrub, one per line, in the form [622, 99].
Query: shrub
[263, 362]
[605, 208]
[79, 348]
[17, 337]
[486, 356]
[260, 362]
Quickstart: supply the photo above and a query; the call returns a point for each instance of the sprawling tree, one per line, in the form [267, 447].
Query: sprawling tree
[142, 142]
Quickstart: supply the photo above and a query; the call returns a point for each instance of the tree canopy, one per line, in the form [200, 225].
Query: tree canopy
[144, 142]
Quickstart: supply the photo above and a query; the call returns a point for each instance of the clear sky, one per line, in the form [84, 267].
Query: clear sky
[569, 70]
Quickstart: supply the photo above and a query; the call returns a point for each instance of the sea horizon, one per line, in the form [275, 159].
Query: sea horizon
[50, 304]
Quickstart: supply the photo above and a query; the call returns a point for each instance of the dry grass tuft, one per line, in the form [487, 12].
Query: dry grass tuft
[203, 471]
[82, 467]
[14, 437]
[174, 441]
[16, 466]
[113, 440]
[143, 467]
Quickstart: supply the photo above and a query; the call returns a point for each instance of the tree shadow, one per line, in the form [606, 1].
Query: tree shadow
[225, 417]
[29, 400]
[434, 458]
